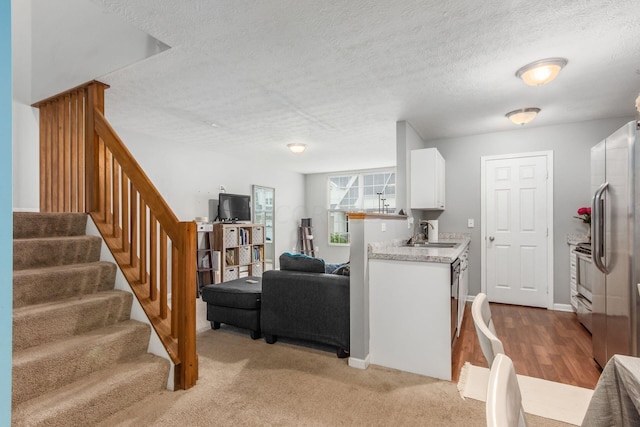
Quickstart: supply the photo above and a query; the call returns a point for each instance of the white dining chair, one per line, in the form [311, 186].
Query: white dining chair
[504, 401]
[485, 329]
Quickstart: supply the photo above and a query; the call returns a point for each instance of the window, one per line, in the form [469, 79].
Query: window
[364, 192]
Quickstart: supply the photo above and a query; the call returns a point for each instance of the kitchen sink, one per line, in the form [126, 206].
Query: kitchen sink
[445, 245]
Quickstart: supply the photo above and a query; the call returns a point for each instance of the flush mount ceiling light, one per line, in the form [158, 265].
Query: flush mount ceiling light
[541, 72]
[296, 147]
[523, 115]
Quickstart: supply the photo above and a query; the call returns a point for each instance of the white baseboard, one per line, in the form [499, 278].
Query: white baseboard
[556, 307]
[26, 210]
[563, 307]
[359, 363]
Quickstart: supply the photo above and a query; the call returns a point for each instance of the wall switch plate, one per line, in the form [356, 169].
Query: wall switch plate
[470, 223]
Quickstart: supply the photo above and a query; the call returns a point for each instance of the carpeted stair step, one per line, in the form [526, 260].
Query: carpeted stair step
[40, 224]
[96, 396]
[39, 324]
[50, 251]
[40, 369]
[35, 286]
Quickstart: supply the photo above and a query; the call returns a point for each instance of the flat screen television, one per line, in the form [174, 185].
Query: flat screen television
[234, 207]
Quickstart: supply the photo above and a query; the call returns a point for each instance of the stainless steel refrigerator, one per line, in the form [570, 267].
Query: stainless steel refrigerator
[615, 231]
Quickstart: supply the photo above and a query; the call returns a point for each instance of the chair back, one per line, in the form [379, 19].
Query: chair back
[485, 329]
[504, 401]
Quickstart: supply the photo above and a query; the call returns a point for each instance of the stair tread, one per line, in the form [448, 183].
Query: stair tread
[32, 253]
[48, 223]
[90, 338]
[39, 323]
[56, 268]
[57, 238]
[44, 284]
[124, 383]
[63, 304]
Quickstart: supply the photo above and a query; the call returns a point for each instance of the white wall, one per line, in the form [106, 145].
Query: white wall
[187, 178]
[570, 144]
[25, 151]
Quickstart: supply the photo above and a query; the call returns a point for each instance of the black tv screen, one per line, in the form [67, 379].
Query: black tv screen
[234, 207]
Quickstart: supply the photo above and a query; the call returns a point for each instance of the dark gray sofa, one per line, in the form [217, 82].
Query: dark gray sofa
[305, 305]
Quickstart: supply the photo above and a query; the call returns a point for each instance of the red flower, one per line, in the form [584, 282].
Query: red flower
[584, 211]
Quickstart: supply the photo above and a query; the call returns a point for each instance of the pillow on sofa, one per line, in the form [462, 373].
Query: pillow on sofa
[343, 270]
[333, 268]
[301, 262]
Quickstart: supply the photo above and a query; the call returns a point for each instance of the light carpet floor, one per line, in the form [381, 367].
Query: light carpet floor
[548, 399]
[251, 383]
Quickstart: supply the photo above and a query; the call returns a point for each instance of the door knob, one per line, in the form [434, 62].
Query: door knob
[491, 238]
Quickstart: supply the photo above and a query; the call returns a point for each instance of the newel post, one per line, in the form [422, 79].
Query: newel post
[95, 101]
[187, 374]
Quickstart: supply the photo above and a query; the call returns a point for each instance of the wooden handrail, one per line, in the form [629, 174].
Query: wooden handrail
[85, 167]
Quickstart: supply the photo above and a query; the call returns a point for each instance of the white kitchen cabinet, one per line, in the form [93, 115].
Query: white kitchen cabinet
[410, 313]
[427, 179]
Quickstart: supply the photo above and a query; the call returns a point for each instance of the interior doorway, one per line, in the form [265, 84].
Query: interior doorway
[517, 228]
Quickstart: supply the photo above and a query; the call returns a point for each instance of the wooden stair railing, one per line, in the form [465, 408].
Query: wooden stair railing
[85, 167]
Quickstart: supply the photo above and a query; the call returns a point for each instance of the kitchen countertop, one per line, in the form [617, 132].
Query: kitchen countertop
[396, 252]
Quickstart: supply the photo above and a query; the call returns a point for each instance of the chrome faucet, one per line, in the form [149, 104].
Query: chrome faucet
[425, 228]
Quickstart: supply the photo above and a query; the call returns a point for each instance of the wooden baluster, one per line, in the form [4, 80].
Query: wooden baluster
[82, 207]
[60, 162]
[163, 273]
[44, 162]
[133, 215]
[54, 158]
[175, 289]
[143, 241]
[116, 198]
[108, 188]
[153, 269]
[125, 212]
[73, 142]
[66, 150]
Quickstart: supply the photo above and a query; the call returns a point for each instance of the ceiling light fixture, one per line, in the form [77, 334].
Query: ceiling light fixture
[296, 147]
[541, 72]
[523, 115]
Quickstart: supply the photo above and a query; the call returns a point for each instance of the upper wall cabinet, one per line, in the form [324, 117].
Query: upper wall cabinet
[427, 179]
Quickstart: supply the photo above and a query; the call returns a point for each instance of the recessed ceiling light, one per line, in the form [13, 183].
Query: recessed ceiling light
[296, 147]
[523, 115]
[541, 72]
[214, 125]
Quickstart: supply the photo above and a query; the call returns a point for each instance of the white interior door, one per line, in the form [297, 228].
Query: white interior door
[516, 216]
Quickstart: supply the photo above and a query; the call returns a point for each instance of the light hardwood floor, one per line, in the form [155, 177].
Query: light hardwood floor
[542, 343]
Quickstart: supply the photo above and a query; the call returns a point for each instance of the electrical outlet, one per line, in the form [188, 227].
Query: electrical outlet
[470, 223]
[383, 227]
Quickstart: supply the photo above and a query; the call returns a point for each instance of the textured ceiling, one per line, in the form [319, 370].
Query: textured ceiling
[337, 75]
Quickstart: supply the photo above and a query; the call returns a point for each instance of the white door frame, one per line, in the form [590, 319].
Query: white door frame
[483, 219]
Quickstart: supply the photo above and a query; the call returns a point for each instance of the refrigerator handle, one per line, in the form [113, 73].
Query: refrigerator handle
[597, 207]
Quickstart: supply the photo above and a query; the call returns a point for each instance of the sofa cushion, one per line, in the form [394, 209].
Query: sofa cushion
[236, 294]
[301, 262]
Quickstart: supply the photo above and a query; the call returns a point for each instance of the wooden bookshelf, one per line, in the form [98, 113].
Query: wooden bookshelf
[242, 249]
[208, 261]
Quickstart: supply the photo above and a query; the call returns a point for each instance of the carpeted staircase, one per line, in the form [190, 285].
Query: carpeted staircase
[77, 356]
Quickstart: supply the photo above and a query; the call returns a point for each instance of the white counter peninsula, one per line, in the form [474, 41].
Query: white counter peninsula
[410, 297]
